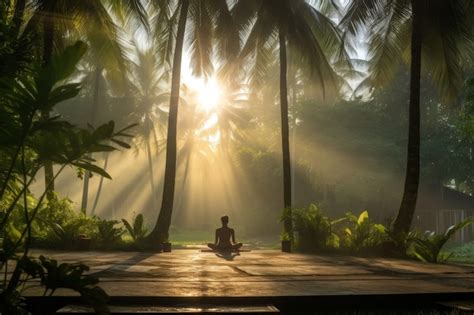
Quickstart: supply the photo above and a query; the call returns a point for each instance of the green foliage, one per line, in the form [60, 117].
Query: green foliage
[315, 229]
[28, 141]
[428, 247]
[138, 230]
[467, 122]
[108, 233]
[285, 236]
[55, 276]
[52, 276]
[360, 233]
[67, 234]
[54, 210]
[58, 225]
[357, 234]
[399, 244]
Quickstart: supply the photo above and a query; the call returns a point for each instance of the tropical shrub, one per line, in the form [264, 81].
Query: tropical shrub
[428, 247]
[28, 142]
[399, 244]
[108, 234]
[137, 230]
[66, 234]
[360, 233]
[314, 229]
[58, 225]
[52, 276]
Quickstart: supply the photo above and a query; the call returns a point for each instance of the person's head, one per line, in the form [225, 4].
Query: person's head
[225, 220]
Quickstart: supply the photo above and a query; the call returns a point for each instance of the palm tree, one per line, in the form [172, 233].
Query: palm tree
[146, 76]
[207, 18]
[310, 35]
[55, 18]
[432, 36]
[202, 128]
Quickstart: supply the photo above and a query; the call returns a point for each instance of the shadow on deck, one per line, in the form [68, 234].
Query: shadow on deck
[290, 282]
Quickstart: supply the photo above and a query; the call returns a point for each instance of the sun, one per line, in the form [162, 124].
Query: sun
[209, 95]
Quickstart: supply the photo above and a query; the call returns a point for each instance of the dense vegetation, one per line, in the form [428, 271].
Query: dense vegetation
[255, 108]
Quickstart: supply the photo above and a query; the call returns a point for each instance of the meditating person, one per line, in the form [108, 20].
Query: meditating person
[225, 238]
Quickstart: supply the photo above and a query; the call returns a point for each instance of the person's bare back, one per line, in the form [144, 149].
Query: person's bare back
[224, 237]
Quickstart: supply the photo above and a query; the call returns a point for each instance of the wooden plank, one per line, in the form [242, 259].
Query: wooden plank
[179, 309]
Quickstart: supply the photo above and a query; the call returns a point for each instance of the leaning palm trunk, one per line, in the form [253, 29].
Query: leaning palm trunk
[95, 105]
[161, 230]
[183, 182]
[412, 177]
[150, 173]
[285, 134]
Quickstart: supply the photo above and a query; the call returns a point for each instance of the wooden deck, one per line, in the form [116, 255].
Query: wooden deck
[265, 273]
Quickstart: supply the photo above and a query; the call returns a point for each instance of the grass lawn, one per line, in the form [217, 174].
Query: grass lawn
[461, 253]
[182, 238]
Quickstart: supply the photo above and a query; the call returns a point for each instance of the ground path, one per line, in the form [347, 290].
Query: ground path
[262, 273]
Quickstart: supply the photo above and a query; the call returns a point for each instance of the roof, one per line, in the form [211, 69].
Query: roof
[435, 198]
[453, 199]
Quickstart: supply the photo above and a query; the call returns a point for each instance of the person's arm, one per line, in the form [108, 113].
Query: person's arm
[216, 238]
[233, 236]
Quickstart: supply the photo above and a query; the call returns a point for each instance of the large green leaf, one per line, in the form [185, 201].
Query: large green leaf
[93, 168]
[60, 68]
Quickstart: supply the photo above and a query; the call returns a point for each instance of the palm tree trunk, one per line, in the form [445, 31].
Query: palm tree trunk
[95, 106]
[285, 134]
[404, 218]
[293, 135]
[150, 173]
[48, 36]
[183, 183]
[101, 183]
[161, 230]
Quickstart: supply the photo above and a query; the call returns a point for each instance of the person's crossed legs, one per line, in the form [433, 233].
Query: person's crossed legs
[215, 247]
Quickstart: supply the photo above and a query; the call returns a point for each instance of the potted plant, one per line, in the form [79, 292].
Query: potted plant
[83, 242]
[285, 237]
[166, 246]
[285, 242]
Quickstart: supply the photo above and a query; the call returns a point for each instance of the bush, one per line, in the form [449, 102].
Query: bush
[428, 247]
[360, 234]
[317, 232]
[109, 235]
[137, 229]
[66, 233]
[314, 229]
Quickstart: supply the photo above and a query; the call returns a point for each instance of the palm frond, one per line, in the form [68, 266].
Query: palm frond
[304, 42]
[226, 31]
[200, 38]
[388, 42]
[447, 42]
[359, 13]
[126, 9]
[164, 28]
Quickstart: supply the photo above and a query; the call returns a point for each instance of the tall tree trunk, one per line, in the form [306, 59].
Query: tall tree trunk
[183, 182]
[101, 183]
[285, 134]
[95, 107]
[160, 232]
[294, 84]
[150, 173]
[404, 218]
[48, 36]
